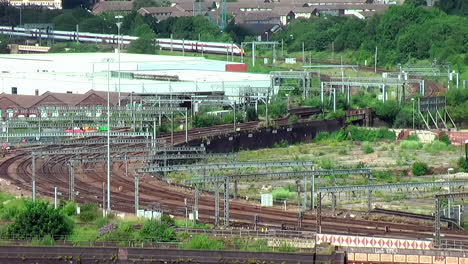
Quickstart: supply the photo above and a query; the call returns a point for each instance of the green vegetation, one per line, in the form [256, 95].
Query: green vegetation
[420, 168]
[367, 148]
[39, 220]
[88, 213]
[157, 231]
[284, 193]
[402, 33]
[463, 164]
[203, 242]
[371, 135]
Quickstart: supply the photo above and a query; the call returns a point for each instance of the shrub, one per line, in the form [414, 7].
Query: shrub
[282, 144]
[371, 135]
[413, 137]
[367, 148]
[326, 163]
[420, 168]
[287, 248]
[410, 144]
[69, 209]
[251, 114]
[168, 221]
[203, 242]
[335, 115]
[283, 194]
[445, 139]
[293, 119]
[328, 137]
[88, 213]
[38, 220]
[437, 147]
[463, 164]
[156, 231]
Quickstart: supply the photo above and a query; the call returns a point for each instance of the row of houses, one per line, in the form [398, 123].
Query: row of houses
[253, 11]
[261, 17]
[13, 105]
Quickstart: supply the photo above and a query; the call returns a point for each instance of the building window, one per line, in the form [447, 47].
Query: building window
[14, 90]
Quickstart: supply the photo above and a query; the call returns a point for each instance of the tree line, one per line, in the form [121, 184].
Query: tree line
[401, 34]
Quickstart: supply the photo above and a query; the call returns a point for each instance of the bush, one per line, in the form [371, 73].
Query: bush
[371, 135]
[328, 137]
[203, 242]
[367, 148]
[38, 220]
[445, 139]
[70, 208]
[293, 119]
[156, 231]
[88, 213]
[10, 209]
[168, 221]
[420, 168]
[282, 144]
[437, 147]
[287, 248]
[410, 144]
[206, 120]
[283, 194]
[251, 114]
[463, 164]
[335, 115]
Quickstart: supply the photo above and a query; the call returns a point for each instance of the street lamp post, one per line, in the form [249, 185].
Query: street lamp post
[108, 138]
[119, 25]
[412, 100]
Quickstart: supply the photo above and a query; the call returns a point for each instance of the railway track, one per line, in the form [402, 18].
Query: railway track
[53, 173]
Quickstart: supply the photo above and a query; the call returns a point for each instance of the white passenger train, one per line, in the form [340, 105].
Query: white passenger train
[163, 43]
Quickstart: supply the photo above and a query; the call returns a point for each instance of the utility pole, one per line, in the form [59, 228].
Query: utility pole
[119, 25]
[375, 60]
[108, 139]
[33, 168]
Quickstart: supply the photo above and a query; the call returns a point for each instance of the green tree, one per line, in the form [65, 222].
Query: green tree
[156, 231]
[143, 45]
[38, 220]
[137, 4]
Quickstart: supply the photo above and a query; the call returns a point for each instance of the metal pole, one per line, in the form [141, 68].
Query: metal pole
[171, 44]
[304, 206]
[321, 92]
[303, 53]
[108, 138]
[234, 107]
[33, 168]
[312, 193]
[412, 99]
[253, 53]
[137, 193]
[282, 48]
[103, 199]
[72, 181]
[55, 198]
[369, 193]
[217, 187]
[186, 126]
[119, 24]
[375, 60]
[195, 206]
[334, 99]
[226, 201]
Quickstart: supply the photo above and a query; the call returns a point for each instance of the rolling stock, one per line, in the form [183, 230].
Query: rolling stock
[163, 43]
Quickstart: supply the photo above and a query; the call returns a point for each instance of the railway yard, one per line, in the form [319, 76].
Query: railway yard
[147, 152]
